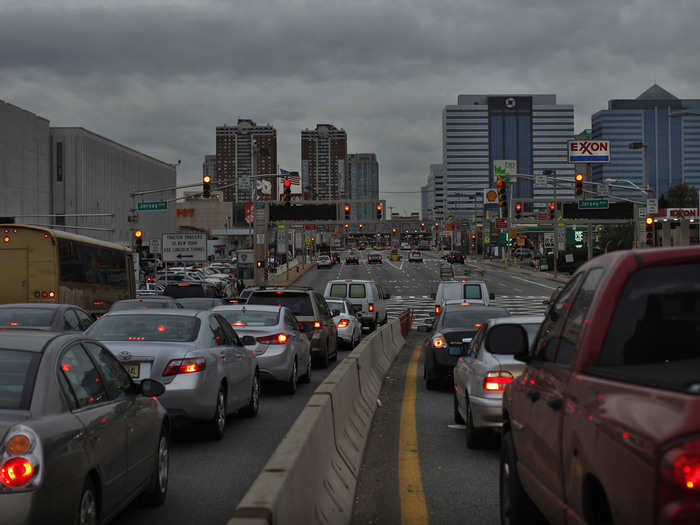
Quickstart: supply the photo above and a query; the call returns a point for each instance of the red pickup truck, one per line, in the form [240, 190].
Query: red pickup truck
[603, 426]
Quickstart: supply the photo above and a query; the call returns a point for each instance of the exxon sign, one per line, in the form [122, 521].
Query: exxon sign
[589, 151]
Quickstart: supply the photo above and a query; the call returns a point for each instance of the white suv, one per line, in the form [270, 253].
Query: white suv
[366, 297]
[462, 290]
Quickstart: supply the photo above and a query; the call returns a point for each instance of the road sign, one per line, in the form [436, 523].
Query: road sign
[652, 206]
[513, 232]
[152, 205]
[490, 196]
[642, 212]
[589, 151]
[603, 189]
[503, 168]
[540, 180]
[593, 204]
[154, 246]
[501, 223]
[184, 247]
[543, 217]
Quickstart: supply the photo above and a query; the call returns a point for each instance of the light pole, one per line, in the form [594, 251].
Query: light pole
[645, 147]
[553, 173]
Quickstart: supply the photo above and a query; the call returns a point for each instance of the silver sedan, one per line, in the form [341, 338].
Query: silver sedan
[481, 376]
[349, 327]
[282, 349]
[206, 370]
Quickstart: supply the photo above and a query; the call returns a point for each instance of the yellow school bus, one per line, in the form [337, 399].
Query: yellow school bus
[40, 265]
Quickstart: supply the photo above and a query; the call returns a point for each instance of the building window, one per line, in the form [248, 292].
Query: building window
[59, 161]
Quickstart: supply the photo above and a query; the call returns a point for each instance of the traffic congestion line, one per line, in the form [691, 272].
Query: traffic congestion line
[414, 510]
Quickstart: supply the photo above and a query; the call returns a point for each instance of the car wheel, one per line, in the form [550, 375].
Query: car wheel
[88, 509]
[292, 383]
[516, 506]
[335, 353]
[324, 358]
[306, 378]
[253, 406]
[217, 425]
[158, 490]
[459, 420]
[475, 438]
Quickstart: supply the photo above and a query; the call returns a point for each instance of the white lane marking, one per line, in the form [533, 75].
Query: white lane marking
[533, 282]
[457, 427]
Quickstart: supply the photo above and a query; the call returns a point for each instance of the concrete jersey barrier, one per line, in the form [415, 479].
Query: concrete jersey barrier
[312, 475]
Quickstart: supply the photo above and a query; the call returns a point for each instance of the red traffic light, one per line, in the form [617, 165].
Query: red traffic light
[138, 234]
[379, 207]
[346, 207]
[287, 183]
[206, 179]
[579, 177]
[518, 207]
[552, 207]
[500, 183]
[649, 221]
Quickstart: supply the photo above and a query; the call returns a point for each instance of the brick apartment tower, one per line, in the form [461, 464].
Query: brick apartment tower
[242, 150]
[323, 162]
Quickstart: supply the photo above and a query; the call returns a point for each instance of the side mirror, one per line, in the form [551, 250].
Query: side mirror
[508, 339]
[248, 340]
[492, 296]
[335, 312]
[152, 388]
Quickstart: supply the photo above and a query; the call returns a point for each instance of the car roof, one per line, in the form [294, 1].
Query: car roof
[31, 340]
[255, 307]
[51, 306]
[183, 312]
[518, 319]
[349, 281]
[161, 298]
[473, 307]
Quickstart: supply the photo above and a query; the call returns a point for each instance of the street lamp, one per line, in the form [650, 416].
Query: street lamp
[645, 147]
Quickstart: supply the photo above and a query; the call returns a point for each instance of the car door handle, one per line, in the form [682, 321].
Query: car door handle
[533, 395]
[554, 403]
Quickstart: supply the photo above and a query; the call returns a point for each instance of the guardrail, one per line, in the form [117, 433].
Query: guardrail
[312, 475]
[406, 321]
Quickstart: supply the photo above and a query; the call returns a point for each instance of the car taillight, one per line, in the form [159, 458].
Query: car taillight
[343, 323]
[21, 460]
[681, 467]
[497, 381]
[437, 309]
[371, 307]
[277, 339]
[439, 341]
[317, 325]
[16, 472]
[185, 366]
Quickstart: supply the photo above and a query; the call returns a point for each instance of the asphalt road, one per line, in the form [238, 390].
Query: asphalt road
[208, 479]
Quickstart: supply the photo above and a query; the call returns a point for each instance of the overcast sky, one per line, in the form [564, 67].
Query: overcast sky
[160, 76]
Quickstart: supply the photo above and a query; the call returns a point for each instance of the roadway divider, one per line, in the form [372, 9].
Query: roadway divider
[311, 477]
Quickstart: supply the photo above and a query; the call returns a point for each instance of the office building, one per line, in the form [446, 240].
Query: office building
[363, 184]
[209, 167]
[533, 130]
[244, 152]
[425, 214]
[24, 166]
[323, 170]
[668, 125]
[436, 192]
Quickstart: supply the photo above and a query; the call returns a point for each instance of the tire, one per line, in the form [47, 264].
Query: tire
[156, 493]
[88, 507]
[306, 378]
[458, 419]
[335, 354]
[324, 358]
[475, 438]
[516, 507]
[253, 406]
[291, 385]
[217, 425]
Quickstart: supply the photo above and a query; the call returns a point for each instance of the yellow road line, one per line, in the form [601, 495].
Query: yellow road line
[413, 508]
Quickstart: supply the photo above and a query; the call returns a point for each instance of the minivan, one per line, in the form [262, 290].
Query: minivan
[366, 297]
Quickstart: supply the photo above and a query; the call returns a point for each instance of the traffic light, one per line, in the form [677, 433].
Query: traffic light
[518, 210]
[393, 230]
[552, 210]
[649, 231]
[206, 186]
[502, 198]
[422, 225]
[379, 211]
[362, 225]
[260, 264]
[579, 184]
[346, 209]
[347, 225]
[436, 224]
[287, 196]
[138, 240]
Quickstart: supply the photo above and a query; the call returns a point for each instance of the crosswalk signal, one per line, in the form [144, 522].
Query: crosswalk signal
[206, 186]
[649, 231]
[579, 185]
[346, 209]
[518, 210]
[379, 211]
[138, 240]
[552, 210]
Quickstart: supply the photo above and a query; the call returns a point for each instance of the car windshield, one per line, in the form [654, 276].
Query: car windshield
[17, 372]
[467, 317]
[298, 303]
[30, 317]
[188, 290]
[144, 327]
[247, 317]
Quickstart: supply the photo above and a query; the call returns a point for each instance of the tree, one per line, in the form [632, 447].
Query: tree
[681, 196]
[617, 237]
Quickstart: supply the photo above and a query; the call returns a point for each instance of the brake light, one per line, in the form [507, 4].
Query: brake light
[439, 341]
[277, 339]
[98, 303]
[16, 472]
[52, 294]
[497, 381]
[14, 323]
[478, 325]
[343, 323]
[185, 366]
[44, 294]
[317, 324]
[6, 239]
[465, 303]
[681, 467]
[238, 323]
[183, 284]
[371, 307]
[437, 309]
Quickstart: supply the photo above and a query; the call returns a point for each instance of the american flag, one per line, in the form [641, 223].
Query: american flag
[293, 176]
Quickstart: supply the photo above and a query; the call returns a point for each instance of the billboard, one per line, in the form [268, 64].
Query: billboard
[589, 150]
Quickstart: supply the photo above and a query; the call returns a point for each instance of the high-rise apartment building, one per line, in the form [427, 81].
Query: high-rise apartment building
[244, 152]
[530, 129]
[668, 125]
[436, 191]
[363, 184]
[323, 152]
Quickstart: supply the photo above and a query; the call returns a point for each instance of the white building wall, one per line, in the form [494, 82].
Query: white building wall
[552, 129]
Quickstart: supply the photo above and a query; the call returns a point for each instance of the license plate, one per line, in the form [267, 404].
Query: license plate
[133, 370]
[454, 350]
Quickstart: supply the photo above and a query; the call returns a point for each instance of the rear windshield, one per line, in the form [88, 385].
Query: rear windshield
[198, 303]
[134, 305]
[357, 291]
[189, 290]
[17, 372]
[40, 317]
[250, 317]
[339, 290]
[336, 305]
[467, 317]
[298, 303]
[450, 292]
[472, 291]
[142, 327]
[654, 333]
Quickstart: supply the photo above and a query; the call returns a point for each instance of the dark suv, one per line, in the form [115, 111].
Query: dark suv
[190, 289]
[313, 314]
[455, 258]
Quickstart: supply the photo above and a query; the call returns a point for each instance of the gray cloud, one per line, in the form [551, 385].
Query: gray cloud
[160, 76]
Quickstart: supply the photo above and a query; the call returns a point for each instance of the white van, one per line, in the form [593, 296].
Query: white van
[366, 297]
[462, 290]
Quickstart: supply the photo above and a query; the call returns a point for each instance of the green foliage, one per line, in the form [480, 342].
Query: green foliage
[680, 196]
[617, 237]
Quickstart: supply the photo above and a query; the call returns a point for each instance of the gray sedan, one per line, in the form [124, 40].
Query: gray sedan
[54, 317]
[349, 327]
[282, 349]
[481, 376]
[207, 372]
[78, 439]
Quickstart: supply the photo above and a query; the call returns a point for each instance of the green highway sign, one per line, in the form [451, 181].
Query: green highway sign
[152, 206]
[593, 204]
